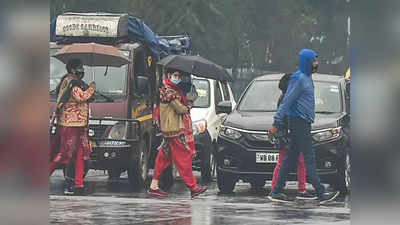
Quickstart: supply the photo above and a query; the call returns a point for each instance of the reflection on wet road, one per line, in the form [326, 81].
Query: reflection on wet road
[119, 205]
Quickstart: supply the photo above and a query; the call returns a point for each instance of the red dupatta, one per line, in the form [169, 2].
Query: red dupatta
[187, 120]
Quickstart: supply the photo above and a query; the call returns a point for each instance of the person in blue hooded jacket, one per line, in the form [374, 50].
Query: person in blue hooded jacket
[299, 106]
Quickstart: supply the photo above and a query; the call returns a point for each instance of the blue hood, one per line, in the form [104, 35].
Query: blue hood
[306, 58]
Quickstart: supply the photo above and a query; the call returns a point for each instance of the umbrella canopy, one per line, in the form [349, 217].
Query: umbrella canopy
[196, 65]
[92, 54]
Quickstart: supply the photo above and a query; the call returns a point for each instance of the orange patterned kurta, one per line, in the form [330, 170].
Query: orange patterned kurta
[75, 112]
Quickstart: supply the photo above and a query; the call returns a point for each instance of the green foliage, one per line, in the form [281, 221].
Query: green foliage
[240, 33]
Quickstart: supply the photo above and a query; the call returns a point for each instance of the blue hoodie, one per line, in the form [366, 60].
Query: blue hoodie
[299, 99]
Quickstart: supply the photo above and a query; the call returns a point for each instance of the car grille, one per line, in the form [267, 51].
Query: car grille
[250, 142]
[258, 144]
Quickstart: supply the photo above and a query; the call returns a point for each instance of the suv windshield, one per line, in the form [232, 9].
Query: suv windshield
[203, 89]
[327, 97]
[110, 86]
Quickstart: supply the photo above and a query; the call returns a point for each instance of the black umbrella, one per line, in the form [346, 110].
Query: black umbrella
[196, 65]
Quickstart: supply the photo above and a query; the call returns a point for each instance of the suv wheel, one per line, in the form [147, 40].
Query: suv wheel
[347, 173]
[343, 182]
[226, 182]
[208, 169]
[114, 174]
[138, 167]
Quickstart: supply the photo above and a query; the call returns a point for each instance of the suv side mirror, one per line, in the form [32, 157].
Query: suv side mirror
[347, 119]
[142, 85]
[224, 107]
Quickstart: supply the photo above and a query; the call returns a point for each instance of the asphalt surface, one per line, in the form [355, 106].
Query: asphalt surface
[118, 204]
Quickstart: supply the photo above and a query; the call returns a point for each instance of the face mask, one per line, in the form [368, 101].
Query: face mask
[175, 81]
[80, 74]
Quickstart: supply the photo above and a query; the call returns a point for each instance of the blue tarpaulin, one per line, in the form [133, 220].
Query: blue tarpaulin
[137, 31]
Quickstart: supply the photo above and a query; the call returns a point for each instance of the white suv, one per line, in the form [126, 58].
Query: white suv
[207, 119]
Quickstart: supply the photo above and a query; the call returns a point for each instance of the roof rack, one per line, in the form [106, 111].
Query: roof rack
[113, 28]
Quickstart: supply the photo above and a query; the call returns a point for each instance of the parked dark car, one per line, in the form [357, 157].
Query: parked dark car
[245, 152]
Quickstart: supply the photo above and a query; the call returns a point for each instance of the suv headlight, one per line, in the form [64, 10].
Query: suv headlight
[324, 135]
[199, 127]
[230, 133]
[260, 137]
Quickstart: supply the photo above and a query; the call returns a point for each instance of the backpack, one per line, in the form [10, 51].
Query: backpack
[282, 134]
[283, 85]
[284, 82]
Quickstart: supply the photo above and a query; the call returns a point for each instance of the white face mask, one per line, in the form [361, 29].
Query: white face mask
[175, 79]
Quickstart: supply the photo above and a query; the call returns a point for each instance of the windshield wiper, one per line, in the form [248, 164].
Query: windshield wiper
[109, 99]
[53, 91]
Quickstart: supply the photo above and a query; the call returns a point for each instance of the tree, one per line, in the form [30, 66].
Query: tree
[238, 34]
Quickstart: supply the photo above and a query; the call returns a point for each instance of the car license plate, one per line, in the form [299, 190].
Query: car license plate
[262, 157]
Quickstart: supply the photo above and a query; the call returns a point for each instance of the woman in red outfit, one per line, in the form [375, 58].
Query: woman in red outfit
[301, 168]
[178, 144]
[71, 142]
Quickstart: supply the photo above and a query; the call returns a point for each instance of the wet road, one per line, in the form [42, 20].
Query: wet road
[120, 206]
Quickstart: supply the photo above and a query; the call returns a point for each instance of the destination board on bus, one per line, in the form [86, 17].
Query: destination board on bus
[92, 25]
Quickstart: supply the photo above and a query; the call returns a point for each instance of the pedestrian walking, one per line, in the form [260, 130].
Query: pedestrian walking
[301, 168]
[178, 143]
[71, 141]
[299, 105]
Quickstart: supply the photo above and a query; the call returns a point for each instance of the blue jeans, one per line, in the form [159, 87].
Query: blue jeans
[300, 141]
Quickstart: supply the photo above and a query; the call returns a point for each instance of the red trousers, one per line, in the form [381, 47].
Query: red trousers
[182, 158]
[79, 168]
[73, 146]
[301, 170]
